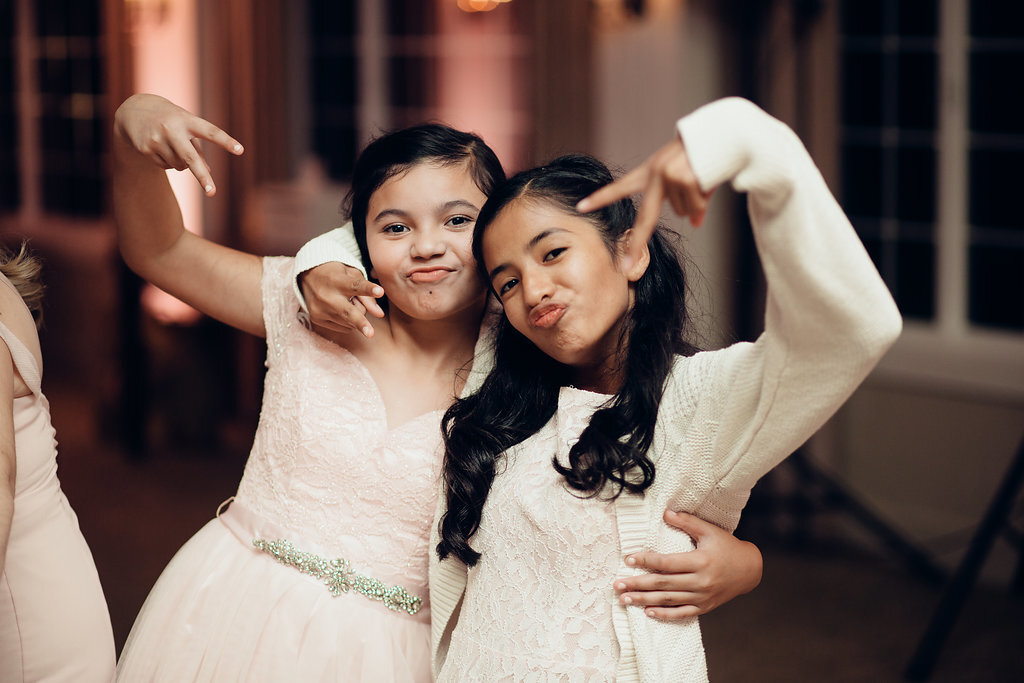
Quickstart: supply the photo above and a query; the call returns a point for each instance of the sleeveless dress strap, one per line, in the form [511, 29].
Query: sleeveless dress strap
[23, 358]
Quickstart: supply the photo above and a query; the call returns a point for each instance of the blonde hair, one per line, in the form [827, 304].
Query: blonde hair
[22, 269]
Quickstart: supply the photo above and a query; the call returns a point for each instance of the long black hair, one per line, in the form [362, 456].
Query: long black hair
[520, 394]
[398, 151]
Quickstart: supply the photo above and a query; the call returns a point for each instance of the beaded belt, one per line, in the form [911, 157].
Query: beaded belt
[339, 577]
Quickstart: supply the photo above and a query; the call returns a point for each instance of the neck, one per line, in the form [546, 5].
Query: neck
[602, 379]
[605, 373]
[450, 338]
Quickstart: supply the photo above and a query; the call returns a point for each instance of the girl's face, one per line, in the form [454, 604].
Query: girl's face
[419, 232]
[560, 284]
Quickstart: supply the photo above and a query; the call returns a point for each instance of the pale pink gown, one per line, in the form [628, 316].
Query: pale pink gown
[54, 624]
[326, 475]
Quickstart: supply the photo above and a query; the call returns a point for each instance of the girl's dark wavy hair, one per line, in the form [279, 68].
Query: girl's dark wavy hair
[521, 393]
[398, 151]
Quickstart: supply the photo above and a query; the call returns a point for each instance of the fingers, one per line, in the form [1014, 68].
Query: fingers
[694, 526]
[626, 186]
[665, 562]
[192, 158]
[208, 131]
[339, 297]
[649, 213]
[660, 599]
[371, 306]
[674, 613]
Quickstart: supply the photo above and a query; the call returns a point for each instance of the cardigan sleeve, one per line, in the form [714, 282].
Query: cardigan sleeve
[829, 317]
[337, 245]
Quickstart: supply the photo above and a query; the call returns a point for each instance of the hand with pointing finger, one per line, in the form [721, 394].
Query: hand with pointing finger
[171, 137]
[666, 174]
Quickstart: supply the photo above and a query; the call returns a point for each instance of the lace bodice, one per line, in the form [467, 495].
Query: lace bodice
[545, 576]
[324, 464]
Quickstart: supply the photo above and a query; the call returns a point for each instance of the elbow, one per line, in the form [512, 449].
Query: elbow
[890, 326]
[878, 334]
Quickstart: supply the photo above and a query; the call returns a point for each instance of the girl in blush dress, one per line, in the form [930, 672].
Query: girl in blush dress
[54, 624]
[317, 570]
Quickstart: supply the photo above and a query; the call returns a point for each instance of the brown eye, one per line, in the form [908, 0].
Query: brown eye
[507, 287]
[554, 253]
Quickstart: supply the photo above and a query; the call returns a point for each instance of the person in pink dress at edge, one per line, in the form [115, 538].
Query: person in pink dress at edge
[318, 568]
[598, 413]
[54, 624]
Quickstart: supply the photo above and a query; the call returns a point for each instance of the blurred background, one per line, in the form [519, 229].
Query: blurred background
[913, 110]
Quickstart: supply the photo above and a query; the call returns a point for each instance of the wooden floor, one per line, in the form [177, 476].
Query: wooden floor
[822, 614]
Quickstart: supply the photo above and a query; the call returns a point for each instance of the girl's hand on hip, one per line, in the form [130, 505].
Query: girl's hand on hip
[683, 585]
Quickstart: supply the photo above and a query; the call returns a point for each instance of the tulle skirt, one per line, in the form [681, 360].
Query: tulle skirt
[225, 611]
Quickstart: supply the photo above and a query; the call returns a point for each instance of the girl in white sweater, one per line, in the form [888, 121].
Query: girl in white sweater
[598, 414]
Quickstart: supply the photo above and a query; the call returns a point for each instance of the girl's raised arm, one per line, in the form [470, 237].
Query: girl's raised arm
[152, 134]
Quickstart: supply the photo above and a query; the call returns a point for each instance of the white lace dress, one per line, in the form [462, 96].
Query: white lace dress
[325, 478]
[539, 605]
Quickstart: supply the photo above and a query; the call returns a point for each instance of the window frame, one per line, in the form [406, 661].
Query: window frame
[948, 354]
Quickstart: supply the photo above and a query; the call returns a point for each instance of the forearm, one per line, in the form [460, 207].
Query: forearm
[335, 245]
[829, 316]
[149, 222]
[219, 281]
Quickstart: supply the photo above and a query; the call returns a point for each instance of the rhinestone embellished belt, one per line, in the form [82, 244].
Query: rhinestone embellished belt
[339, 577]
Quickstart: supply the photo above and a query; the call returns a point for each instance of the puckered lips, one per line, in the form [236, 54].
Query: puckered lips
[429, 274]
[546, 315]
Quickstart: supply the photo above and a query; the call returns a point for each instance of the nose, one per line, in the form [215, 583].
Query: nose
[428, 243]
[536, 285]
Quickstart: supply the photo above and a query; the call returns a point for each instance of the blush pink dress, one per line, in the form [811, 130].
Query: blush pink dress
[249, 597]
[54, 624]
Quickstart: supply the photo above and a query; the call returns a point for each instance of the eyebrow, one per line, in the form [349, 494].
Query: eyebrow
[443, 208]
[534, 241]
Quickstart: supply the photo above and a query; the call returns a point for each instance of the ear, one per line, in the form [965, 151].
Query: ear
[373, 275]
[633, 258]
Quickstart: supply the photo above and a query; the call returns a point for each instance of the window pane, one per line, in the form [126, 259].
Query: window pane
[411, 18]
[915, 279]
[995, 187]
[335, 141]
[334, 79]
[915, 184]
[862, 180]
[862, 18]
[413, 82]
[334, 73]
[10, 187]
[70, 96]
[332, 17]
[917, 102]
[918, 17]
[994, 19]
[997, 96]
[997, 287]
[862, 88]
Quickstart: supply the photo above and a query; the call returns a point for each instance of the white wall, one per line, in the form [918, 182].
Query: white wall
[647, 73]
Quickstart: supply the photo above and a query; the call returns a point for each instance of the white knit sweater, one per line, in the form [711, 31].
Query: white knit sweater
[729, 416]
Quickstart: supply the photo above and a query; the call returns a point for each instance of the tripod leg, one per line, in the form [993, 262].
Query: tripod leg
[918, 560]
[923, 661]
